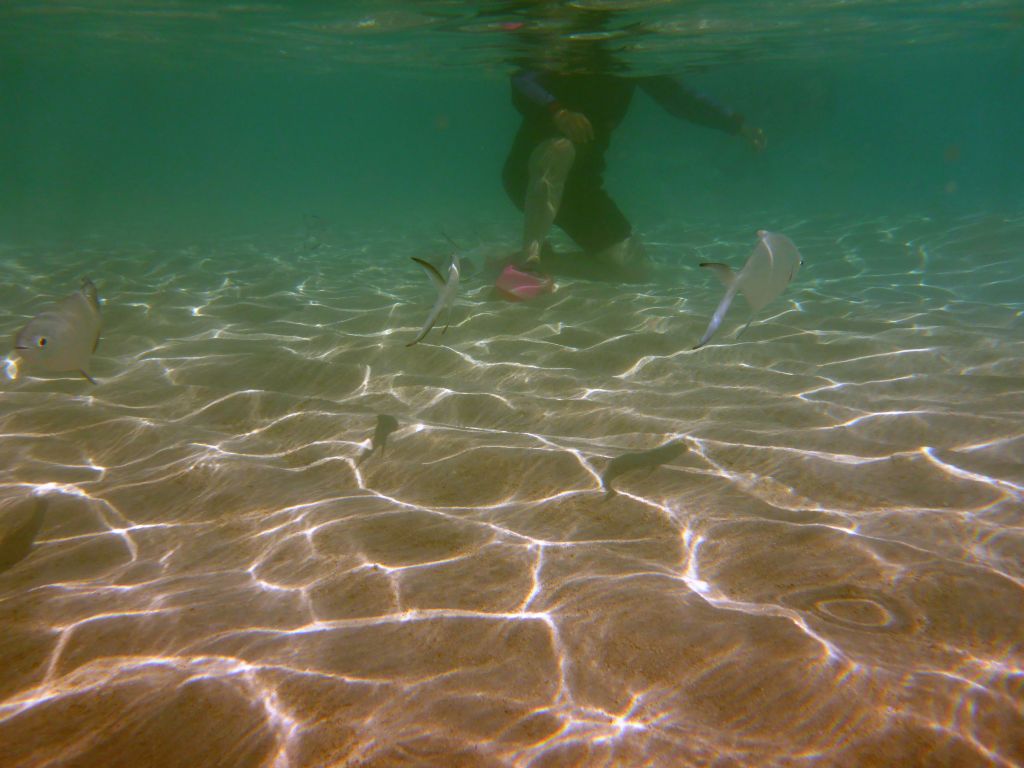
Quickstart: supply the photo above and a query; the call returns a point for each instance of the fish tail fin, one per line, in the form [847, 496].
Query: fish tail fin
[423, 331]
[719, 315]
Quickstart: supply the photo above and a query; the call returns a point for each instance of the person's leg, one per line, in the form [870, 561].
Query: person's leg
[567, 189]
[615, 254]
[591, 218]
[628, 256]
[588, 214]
[550, 164]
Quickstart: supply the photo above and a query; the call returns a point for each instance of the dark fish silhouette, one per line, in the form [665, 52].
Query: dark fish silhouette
[314, 224]
[385, 426]
[628, 462]
[315, 229]
[15, 546]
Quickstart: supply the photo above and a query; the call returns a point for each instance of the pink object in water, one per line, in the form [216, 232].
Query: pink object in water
[516, 285]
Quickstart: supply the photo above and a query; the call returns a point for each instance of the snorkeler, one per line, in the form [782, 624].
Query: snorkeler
[554, 171]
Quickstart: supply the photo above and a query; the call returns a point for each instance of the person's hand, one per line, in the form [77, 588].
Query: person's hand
[755, 137]
[574, 125]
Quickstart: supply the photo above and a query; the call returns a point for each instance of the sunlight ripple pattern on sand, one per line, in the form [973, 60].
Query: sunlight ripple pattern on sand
[831, 575]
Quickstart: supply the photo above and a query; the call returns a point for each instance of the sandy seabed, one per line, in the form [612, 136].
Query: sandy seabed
[197, 568]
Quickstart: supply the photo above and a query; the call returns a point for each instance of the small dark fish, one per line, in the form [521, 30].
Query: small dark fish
[314, 224]
[315, 228]
[15, 546]
[628, 462]
[385, 426]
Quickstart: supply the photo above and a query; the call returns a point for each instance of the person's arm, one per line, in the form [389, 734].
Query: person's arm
[533, 95]
[525, 84]
[687, 104]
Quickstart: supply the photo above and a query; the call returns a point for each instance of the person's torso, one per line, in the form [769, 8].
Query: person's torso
[604, 99]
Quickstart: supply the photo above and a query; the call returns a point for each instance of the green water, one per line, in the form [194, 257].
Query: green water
[183, 119]
[202, 565]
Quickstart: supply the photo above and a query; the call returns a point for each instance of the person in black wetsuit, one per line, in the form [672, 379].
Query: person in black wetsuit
[554, 172]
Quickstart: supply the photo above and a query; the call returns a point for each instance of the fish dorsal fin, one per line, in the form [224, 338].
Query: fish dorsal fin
[432, 273]
[722, 271]
[89, 291]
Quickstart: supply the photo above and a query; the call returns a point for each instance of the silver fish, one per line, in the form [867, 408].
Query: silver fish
[769, 269]
[628, 462]
[64, 336]
[446, 291]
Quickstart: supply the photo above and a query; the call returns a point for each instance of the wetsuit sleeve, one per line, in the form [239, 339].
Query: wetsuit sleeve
[680, 101]
[528, 92]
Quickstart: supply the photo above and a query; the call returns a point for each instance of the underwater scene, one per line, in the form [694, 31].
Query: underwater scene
[591, 383]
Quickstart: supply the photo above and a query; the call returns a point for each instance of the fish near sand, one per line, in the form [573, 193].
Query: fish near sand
[770, 268]
[446, 291]
[16, 545]
[628, 462]
[64, 336]
[385, 426]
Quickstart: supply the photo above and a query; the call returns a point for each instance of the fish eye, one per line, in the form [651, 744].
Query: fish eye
[42, 341]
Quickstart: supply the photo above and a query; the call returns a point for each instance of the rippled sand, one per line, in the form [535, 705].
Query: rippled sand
[831, 575]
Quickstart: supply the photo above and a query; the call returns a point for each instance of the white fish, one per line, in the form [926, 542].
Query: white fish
[445, 294]
[770, 268]
[64, 336]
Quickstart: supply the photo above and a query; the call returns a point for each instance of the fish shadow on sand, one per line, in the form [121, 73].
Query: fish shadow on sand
[637, 460]
[385, 426]
[17, 543]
